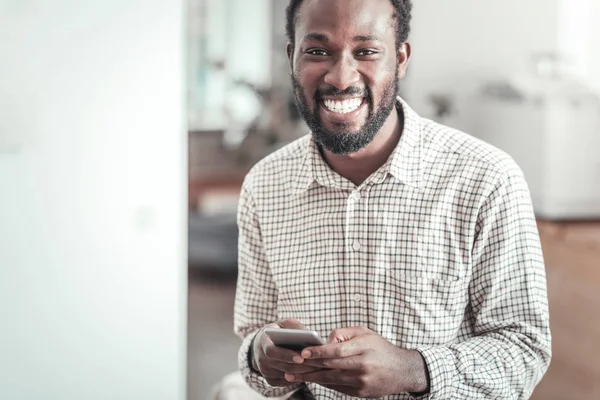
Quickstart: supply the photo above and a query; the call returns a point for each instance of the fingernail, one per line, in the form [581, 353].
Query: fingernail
[306, 354]
[289, 377]
[298, 359]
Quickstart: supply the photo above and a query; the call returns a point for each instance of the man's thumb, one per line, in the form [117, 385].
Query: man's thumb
[290, 323]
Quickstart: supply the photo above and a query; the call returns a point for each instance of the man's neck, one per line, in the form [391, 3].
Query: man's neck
[357, 167]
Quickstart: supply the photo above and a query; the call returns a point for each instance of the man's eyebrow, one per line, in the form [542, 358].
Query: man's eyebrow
[318, 37]
[366, 38]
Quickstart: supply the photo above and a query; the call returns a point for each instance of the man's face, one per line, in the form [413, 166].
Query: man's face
[345, 70]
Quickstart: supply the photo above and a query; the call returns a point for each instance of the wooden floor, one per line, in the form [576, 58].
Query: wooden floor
[572, 255]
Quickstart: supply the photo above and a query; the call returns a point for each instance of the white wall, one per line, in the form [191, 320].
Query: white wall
[460, 43]
[457, 44]
[580, 39]
[594, 45]
[92, 200]
[575, 23]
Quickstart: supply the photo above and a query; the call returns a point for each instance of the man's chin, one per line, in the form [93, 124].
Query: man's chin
[337, 134]
[341, 128]
[341, 142]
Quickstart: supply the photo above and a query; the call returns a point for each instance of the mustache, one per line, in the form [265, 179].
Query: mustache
[350, 91]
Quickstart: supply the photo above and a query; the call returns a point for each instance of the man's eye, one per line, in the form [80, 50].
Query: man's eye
[366, 53]
[317, 52]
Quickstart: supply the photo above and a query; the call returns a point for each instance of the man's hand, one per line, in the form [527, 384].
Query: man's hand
[274, 362]
[360, 363]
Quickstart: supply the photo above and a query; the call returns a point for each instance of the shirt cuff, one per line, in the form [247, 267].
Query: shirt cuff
[441, 365]
[255, 380]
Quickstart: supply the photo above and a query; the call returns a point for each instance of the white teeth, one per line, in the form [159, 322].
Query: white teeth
[344, 106]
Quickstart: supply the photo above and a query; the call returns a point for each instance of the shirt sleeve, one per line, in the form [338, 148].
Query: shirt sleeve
[256, 293]
[508, 306]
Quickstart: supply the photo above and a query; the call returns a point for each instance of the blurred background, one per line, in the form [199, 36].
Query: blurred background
[126, 129]
[521, 75]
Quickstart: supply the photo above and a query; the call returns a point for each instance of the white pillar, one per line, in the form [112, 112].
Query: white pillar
[93, 275]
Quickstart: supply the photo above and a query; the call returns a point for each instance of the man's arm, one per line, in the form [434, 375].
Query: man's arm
[256, 294]
[508, 304]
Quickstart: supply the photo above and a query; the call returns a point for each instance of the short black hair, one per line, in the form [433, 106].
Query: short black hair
[402, 16]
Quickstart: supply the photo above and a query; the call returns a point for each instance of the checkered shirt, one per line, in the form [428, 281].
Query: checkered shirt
[436, 251]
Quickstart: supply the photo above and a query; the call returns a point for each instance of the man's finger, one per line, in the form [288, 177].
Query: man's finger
[277, 382]
[344, 334]
[276, 369]
[271, 373]
[348, 363]
[277, 353]
[300, 369]
[290, 323]
[324, 377]
[334, 350]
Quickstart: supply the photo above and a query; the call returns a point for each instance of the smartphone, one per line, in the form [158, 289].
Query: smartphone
[294, 339]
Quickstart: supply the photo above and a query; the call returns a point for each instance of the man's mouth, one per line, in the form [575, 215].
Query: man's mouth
[345, 106]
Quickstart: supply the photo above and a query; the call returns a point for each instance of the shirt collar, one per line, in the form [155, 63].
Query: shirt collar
[404, 164]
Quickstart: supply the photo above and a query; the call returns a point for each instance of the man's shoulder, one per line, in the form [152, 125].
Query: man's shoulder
[476, 152]
[279, 166]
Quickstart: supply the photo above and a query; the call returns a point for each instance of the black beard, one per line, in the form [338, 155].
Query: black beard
[343, 141]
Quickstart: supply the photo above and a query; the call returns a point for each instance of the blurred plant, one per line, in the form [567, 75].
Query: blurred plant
[260, 120]
[443, 105]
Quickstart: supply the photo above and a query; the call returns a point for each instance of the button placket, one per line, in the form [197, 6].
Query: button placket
[351, 262]
[360, 297]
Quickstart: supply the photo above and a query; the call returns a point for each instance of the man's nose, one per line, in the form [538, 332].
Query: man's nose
[343, 74]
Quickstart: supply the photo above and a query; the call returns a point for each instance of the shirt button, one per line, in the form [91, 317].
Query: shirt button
[357, 298]
[356, 245]
[355, 196]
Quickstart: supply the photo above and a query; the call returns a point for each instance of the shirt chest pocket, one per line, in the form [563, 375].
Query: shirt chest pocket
[425, 274]
[427, 311]
[422, 246]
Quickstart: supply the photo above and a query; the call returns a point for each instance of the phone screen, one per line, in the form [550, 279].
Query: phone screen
[294, 339]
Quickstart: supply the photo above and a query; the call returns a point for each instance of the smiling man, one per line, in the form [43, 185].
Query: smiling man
[411, 246]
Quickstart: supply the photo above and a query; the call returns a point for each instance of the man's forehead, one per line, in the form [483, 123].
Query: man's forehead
[355, 17]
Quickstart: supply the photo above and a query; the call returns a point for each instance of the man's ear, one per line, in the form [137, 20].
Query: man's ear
[403, 59]
[290, 54]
